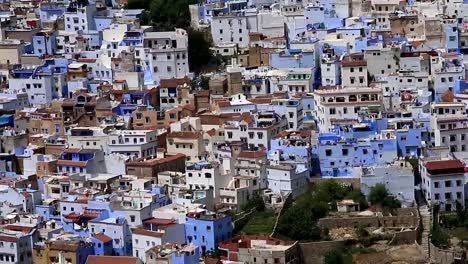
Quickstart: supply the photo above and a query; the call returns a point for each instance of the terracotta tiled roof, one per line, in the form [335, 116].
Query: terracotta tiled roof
[211, 132]
[154, 162]
[252, 154]
[224, 103]
[159, 221]
[145, 232]
[71, 150]
[112, 260]
[444, 165]
[8, 239]
[185, 134]
[72, 163]
[168, 83]
[102, 237]
[247, 117]
[86, 60]
[21, 228]
[260, 100]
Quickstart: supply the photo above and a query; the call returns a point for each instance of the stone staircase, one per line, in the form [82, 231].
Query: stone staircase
[426, 227]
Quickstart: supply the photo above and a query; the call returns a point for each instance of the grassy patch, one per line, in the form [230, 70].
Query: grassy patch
[260, 223]
[459, 232]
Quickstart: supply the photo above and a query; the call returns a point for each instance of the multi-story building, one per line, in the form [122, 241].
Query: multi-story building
[188, 142]
[168, 53]
[330, 67]
[133, 143]
[443, 183]
[354, 145]
[354, 71]
[79, 16]
[260, 249]
[37, 84]
[116, 228]
[230, 29]
[449, 125]
[143, 239]
[207, 229]
[255, 129]
[337, 105]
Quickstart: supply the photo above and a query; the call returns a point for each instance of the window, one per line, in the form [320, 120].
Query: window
[332, 111]
[459, 182]
[436, 184]
[229, 134]
[448, 183]
[459, 195]
[132, 218]
[436, 196]
[259, 135]
[448, 196]
[344, 152]
[169, 68]
[328, 152]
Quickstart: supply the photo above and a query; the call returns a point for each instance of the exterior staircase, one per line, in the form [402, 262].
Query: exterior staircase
[426, 219]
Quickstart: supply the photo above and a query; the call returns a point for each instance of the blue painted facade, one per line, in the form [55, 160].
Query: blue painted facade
[206, 231]
[101, 248]
[349, 147]
[44, 43]
[186, 257]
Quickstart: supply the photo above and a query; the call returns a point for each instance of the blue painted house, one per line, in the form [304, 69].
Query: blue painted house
[207, 229]
[102, 244]
[353, 146]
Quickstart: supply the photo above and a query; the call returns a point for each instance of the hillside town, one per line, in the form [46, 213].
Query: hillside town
[233, 131]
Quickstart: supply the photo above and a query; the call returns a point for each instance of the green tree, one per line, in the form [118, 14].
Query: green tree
[169, 14]
[255, 202]
[379, 195]
[438, 237]
[296, 223]
[358, 197]
[199, 53]
[166, 15]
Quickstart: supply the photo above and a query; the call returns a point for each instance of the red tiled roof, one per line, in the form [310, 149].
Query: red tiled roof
[71, 150]
[154, 162]
[184, 134]
[86, 60]
[102, 237]
[72, 163]
[8, 239]
[444, 165]
[159, 221]
[252, 154]
[25, 229]
[167, 83]
[260, 100]
[211, 132]
[145, 232]
[112, 260]
[224, 103]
